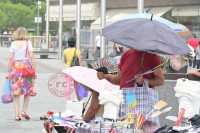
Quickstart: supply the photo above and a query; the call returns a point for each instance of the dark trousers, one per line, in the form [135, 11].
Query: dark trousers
[97, 53]
[198, 64]
[192, 63]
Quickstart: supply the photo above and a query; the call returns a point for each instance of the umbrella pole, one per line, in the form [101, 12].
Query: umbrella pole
[141, 65]
[142, 62]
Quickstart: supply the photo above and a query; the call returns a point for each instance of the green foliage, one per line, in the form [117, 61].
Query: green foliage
[5, 1]
[16, 13]
[3, 19]
[42, 12]
[67, 26]
[25, 2]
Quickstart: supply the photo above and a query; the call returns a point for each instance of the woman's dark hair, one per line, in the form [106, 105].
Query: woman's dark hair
[72, 42]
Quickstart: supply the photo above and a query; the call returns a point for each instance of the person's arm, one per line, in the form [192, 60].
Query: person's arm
[94, 107]
[80, 61]
[156, 81]
[112, 79]
[113, 45]
[124, 47]
[195, 72]
[118, 50]
[10, 60]
[65, 60]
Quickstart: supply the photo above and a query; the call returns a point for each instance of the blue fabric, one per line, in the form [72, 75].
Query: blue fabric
[7, 96]
[81, 91]
[58, 118]
[159, 19]
[198, 64]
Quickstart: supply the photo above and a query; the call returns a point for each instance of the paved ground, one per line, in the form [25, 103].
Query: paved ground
[38, 105]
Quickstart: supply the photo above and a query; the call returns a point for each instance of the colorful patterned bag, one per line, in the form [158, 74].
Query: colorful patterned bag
[146, 97]
[7, 96]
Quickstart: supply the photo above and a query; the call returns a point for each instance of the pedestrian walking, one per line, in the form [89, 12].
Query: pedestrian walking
[194, 42]
[69, 54]
[21, 57]
[97, 45]
[119, 49]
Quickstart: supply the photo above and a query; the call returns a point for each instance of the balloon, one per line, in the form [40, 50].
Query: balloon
[133, 105]
[131, 100]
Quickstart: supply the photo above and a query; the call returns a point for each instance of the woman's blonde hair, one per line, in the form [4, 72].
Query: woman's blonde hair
[20, 34]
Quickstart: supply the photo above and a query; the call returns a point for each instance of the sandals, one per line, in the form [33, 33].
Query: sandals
[25, 115]
[17, 118]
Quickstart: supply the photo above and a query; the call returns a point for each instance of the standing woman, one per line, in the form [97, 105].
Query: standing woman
[16, 62]
[68, 54]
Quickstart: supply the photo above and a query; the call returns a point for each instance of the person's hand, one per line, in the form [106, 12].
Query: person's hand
[8, 75]
[139, 79]
[100, 75]
[195, 72]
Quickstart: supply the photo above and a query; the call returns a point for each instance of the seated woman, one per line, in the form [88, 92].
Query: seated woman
[94, 108]
[94, 105]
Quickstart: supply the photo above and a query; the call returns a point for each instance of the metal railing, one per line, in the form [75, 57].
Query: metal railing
[5, 40]
[40, 42]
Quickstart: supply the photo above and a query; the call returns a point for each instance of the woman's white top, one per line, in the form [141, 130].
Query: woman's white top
[19, 54]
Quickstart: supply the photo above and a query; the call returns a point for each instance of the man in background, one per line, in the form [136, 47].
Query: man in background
[119, 49]
[97, 45]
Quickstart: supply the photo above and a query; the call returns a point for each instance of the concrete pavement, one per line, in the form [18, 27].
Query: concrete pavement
[39, 105]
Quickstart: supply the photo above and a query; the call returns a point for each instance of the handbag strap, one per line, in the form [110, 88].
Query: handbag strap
[75, 53]
[26, 48]
[27, 51]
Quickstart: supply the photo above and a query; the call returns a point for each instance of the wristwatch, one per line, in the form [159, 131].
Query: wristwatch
[139, 85]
